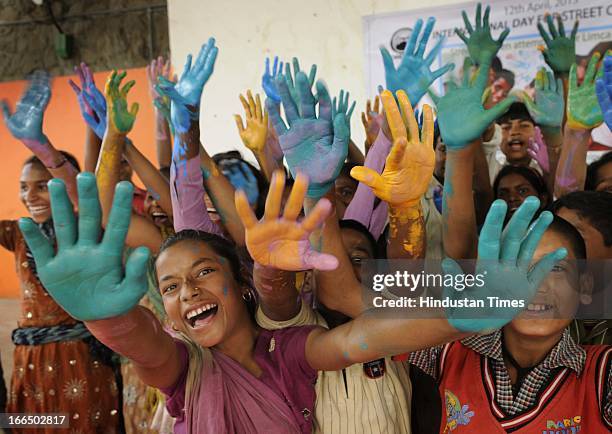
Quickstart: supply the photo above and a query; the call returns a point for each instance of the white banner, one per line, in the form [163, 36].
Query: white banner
[519, 53]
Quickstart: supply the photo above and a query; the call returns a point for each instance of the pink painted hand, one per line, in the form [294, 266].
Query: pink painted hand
[282, 241]
[538, 150]
[409, 166]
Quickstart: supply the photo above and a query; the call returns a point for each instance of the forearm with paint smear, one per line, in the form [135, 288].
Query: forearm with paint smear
[458, 213]
[139, 336]
[361, 208]
[278, 296]
[407, 237]
[571, 170]
[107, 172]
[187, 194]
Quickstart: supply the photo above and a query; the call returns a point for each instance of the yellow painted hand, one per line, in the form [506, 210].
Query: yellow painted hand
[409, 166]
[119, 119]
[282, 242]
[254, 135]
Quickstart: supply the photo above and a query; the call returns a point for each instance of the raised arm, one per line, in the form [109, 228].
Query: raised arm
[462, 120]
[279, 245]
[603, 87]
[26, 125]
[254, 136]
[583, 114]
[505, 264]
[163, 140]
[93, 109]
[317, 146]
[153, 180]
[186, 181]
[118, 123]
[406, 176]
[86, 277]
[547, 110]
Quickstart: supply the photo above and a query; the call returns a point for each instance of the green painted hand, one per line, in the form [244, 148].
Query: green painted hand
[504, 262]
[461, 115]
[480, 43]
[86, 276]
[560, 51]
[119, 119]
[547, 107]
[583, 110]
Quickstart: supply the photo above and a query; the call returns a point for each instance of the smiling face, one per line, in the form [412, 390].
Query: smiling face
[514, 189]
[154, 211]
[33, 191]
[558, 296]
[516, 134]
[200, 295]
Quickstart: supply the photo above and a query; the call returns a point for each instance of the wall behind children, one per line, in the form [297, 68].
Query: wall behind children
[66, 130]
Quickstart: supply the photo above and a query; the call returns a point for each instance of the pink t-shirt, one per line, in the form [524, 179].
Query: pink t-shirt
[285, 370]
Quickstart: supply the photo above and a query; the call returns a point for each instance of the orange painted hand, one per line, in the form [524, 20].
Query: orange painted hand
[254, 135]
[409, 166]
[282, 241]
[372, 122]
[119, 120]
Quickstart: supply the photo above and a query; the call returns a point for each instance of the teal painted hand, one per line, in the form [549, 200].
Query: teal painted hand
[461, 115]
[480, 43]
[548, 106]
[292, 84]
[413, 75]
[314, 145]
[560, 51]
[26, 122]
[119, 119]
[583, 110]
[603, 87]
[86, 276]
[504, 262]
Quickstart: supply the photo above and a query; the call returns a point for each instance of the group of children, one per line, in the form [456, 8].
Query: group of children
[227, 298]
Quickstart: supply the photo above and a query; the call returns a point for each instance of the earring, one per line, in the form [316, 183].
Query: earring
[247, 296]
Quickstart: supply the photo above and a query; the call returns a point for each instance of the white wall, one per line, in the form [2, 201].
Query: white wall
[326, 32]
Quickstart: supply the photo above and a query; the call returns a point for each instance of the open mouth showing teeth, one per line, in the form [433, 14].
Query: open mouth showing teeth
[515, 144]
[539, 307]
[201, 314]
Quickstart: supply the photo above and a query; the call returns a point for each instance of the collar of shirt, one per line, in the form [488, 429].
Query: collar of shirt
[565, 354]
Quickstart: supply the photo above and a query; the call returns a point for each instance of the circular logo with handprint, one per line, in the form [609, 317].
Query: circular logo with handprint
[399, 38]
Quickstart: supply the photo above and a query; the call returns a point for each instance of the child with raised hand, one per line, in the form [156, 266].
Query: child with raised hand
[530, 371]
[218, 347]
[54, 368]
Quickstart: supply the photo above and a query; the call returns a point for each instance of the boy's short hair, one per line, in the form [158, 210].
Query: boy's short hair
[517, 111]
[593, 206]
[564, 228]
[507, 75]
[591, 177]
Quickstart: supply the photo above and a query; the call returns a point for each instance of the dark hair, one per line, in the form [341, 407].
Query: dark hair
[346, 170]
[517, 111]
[68, 156]
[592, 176]
[262, 182]
[594, 206]
[562, 227]
[358, 227]
[506, 75]
[530, 175]
[496, 64]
